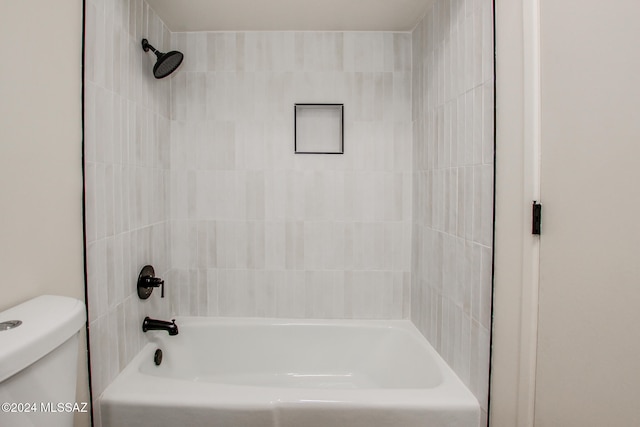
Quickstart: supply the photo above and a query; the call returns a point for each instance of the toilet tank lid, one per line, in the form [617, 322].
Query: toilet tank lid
[47, 322]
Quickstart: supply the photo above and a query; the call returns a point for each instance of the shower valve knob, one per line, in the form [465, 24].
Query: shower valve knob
[147, 280]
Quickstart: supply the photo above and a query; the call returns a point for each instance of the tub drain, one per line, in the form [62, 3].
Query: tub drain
[157, 357]
[10, 324]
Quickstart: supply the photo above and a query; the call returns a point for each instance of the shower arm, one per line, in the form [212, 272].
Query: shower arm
[146, 46]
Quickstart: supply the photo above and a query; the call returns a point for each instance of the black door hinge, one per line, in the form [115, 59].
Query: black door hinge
[536, 218]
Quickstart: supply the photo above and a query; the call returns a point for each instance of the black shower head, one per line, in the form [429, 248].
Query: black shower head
[166, 63]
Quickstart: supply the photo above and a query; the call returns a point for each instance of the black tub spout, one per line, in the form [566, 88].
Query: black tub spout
[149, 324]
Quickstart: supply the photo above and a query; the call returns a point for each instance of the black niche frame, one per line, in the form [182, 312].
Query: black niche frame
[295, 128]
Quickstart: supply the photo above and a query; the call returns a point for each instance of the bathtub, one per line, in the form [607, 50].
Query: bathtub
[289, 373]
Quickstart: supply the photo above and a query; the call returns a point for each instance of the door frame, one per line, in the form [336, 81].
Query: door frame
[517, 185]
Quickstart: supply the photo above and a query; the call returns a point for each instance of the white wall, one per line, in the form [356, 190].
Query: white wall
[260, 231]
[453, 85]
[588, 341]
[41, 155]
[588, 281]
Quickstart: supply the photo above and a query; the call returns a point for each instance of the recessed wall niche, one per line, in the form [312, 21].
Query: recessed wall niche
[319, 129]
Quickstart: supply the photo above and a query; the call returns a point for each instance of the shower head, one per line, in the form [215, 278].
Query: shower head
[166, 62]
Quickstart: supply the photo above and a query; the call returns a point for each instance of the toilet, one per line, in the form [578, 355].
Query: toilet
[38, 362]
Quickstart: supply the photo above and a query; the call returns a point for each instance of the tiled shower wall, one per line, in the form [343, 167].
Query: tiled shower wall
[127, 134]
[453, 152]
[257, 230]
[196, 175]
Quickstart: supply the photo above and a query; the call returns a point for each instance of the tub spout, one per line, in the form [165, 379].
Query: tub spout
[149, 324]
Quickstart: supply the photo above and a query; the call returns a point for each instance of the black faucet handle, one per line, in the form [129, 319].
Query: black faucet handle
[147, 280]
[153, 281]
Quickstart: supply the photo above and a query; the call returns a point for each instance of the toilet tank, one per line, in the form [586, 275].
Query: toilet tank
[38, 362]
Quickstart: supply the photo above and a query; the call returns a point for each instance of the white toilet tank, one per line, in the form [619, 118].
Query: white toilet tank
[38, 362]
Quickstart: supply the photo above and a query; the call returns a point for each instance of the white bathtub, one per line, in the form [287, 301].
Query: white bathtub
[289, 373]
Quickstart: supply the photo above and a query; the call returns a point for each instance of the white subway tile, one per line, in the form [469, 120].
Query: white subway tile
[275, 244]
[212, 292]
[296, 245]
[488, 115]
[291, 295]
